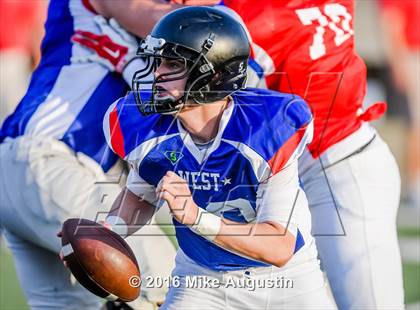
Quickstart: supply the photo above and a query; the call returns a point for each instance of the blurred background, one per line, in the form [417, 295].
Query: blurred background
[388, 39]
[387, 36]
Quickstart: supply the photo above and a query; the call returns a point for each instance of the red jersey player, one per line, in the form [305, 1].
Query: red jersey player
[348, 173]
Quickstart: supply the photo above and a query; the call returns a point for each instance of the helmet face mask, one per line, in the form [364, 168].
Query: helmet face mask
[146, 84]
[194, 43]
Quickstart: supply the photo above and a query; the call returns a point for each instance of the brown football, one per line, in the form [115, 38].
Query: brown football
[100, 260]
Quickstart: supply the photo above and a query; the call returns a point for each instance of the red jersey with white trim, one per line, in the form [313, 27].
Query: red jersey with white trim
[307, 48]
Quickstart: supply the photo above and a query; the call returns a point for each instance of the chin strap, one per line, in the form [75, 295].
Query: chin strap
[170, 106]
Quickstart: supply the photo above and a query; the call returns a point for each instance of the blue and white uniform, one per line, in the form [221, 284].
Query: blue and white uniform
[261, 135]
[53, 159]
[67, 101]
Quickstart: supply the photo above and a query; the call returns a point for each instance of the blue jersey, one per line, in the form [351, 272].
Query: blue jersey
[64, 100]
[259, 133]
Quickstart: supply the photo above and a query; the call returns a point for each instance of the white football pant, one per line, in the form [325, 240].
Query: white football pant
[353, 191]
[299, 284]
[43, 183]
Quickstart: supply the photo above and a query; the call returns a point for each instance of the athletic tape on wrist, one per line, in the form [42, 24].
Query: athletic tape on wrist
[207, 224]
[117, 225]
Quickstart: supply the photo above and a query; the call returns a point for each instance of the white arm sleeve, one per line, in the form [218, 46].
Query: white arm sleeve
[280, 199]
[141, 188]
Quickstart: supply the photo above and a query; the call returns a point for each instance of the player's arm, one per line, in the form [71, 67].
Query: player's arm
[115, 48]
[139, 16]
[269, 242]
[266, 240]
[280, 199]
[129, 213]
[134, 206]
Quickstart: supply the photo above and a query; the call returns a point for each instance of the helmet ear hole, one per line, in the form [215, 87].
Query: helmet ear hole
[229, 77]
[200, 96]
[199, 88]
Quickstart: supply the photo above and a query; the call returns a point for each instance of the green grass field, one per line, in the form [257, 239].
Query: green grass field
[11, 297]
[412, 283]
[410, 232]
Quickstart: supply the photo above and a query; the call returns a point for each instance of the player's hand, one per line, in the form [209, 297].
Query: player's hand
[114, 47]
[60, 235]
[177, 194]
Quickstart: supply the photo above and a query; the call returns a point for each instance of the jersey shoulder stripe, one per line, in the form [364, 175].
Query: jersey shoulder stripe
[291, 149]
[125, 128]
[117, 141]
[274, 127]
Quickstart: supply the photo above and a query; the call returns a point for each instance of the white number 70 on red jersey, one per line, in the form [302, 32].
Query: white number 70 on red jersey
[330, 17]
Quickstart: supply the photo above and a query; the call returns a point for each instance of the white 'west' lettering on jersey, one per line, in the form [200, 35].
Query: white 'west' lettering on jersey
[201, 180]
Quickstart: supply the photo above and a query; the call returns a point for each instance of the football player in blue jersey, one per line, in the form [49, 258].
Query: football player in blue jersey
[224, 160]
[54, 159]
